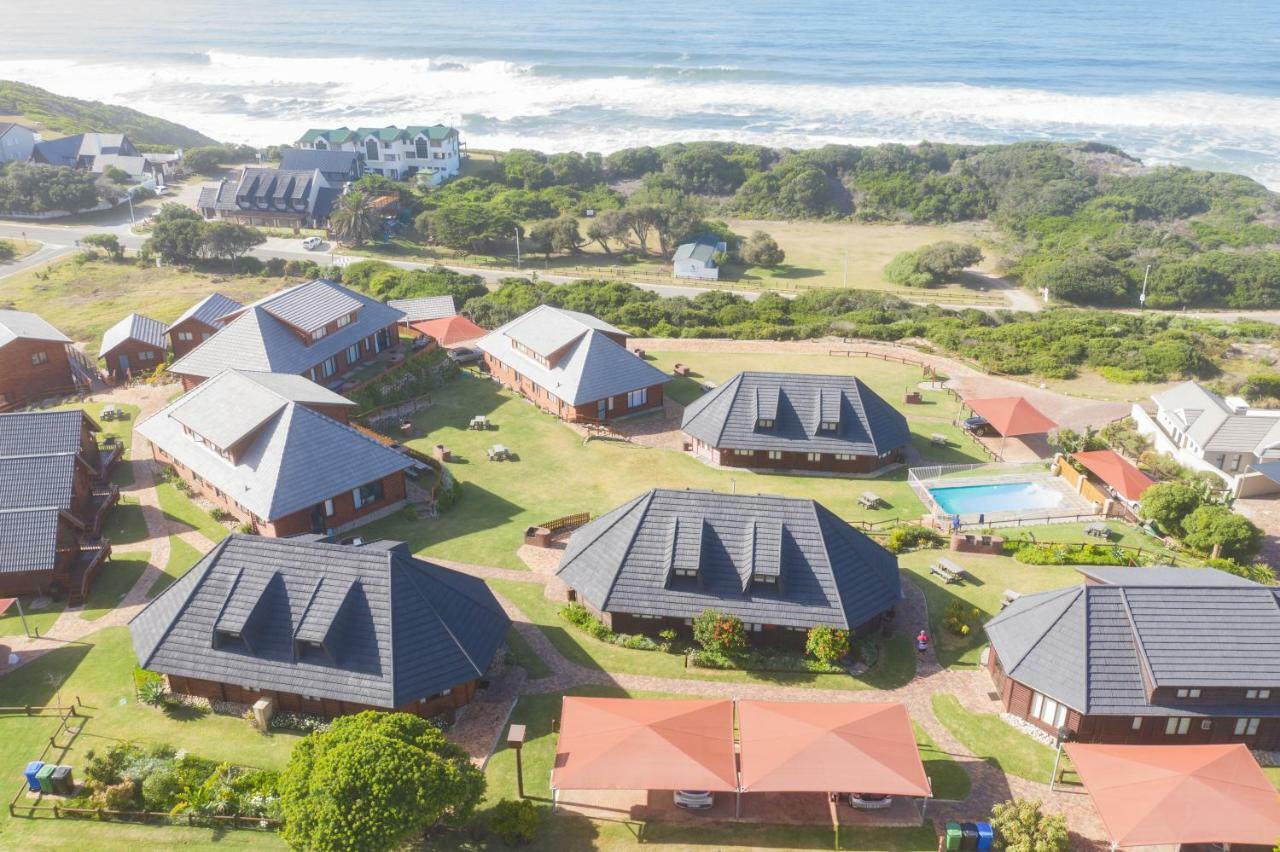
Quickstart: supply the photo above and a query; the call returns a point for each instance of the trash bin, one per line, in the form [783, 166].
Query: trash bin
[45, 778]
[954, 837]
[986, 837]
[62, 780]
[33, 769]
[970, 831]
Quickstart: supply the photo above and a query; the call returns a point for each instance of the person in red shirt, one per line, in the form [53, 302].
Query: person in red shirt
[922, 642]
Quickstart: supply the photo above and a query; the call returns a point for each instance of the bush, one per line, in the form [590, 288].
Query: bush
[932, 265]
[515, 821]
[1221, 531]
[580, 617]
[827, 644]
[449, 491]
[221, 515]
[8, 251]
[1071, 554]
[760, 249]
[912, 536]
[1258, 573]
[1168, 504]
[960, 619]
[1021, 826]
[245, 528]
[719, 632]
[761, 660]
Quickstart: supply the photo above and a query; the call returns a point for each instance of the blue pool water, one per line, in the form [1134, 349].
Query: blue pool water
[1000, 497]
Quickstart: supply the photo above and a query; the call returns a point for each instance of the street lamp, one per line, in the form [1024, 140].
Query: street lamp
[515, 741]
[517, 248]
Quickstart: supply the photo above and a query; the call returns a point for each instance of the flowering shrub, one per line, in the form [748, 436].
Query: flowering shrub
[827, 644]
[580, 617]
[960, 619]
[719, 632]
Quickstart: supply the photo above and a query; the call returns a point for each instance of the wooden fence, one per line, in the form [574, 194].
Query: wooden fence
[567, 522]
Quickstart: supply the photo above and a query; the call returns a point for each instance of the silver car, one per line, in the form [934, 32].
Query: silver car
[694, 800]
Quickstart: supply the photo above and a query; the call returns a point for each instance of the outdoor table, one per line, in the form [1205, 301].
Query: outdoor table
[498, 452]
[480, 422]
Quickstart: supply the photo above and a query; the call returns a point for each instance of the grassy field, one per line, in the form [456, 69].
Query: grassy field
[989, 737]
[183, 509]
[113, 583]
[556, 474]
[85, 299]
[182, 557]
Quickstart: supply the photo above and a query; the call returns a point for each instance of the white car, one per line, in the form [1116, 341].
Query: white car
[312, 243]
[694, 800]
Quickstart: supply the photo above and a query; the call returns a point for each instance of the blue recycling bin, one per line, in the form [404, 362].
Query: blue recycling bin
[32, 770]
[986, 837]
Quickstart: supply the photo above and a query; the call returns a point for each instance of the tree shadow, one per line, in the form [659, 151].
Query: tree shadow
[39, 682]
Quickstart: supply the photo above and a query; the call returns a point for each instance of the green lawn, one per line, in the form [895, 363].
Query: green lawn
[556, 474]
[989, 737]
[947, 776]
[114, 581]
[183, 509]
[99, 671]
[125, 524]
[582, 649]
[526, 657]
[181, 557]
[38, 620]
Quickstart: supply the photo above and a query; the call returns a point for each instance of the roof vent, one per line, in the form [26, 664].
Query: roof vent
[1237, 405]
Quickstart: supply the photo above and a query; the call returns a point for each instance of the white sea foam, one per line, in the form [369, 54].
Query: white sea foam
[264, 100]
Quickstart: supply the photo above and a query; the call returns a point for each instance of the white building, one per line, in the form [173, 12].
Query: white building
[16, 142]
[435, 151]
[697, 259]
[1225, 437]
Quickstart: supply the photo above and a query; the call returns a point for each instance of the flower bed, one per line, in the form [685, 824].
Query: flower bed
[580, 617]
[1074, 554]
[761, 660]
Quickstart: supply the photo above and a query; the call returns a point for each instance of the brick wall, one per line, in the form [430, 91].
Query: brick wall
[21, 381]
[133, 349]
[199, 331]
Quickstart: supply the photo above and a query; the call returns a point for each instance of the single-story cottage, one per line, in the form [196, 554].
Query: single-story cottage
[135, 346]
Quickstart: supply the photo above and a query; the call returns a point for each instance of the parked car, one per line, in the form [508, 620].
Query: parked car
[312, 243]
[869, 801]
[464, 355]
[694, 800]
[975, 423]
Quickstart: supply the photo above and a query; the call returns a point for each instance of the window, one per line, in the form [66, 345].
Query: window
[743, 452]
[353, 353]
[845, 457]
[776, 455]
[686, 572]
[814, 456]
[765, 423]
[1048, 711]
[1188, 693]
[765, 579]
[319, 333]
[371, 149]
[609, 405]
[38, 358]
[1247, 727]
[328, 366]
[366, 494]
[1137, 723]
[344, 320]
[1255, 694]
[1177, 726]
[185, 335]
[828, 425]
[328, 508]
[422, 149]
[637, 398]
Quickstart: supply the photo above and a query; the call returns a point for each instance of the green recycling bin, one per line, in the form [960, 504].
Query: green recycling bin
[45, 777]
[955, 836]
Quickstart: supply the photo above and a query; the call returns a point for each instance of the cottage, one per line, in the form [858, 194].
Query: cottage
[337, 167]
[697, 259]
[99, 152]
[322, 628]
[1144, 655]
[319, 329]
[276, 198]
[263, 448]
[796, 421]
[1225, 437]
[782, 565]
[198, 322]
[35, 361]
[16, 142]
[434, 152]
[135, 346]
[573, 365]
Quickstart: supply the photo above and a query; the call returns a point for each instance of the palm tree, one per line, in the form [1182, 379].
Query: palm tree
[355, 221]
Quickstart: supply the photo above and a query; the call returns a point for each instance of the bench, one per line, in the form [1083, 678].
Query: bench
[681, 369]
[1098, 531]
[869, 500]
[949, 571]
[939, 440]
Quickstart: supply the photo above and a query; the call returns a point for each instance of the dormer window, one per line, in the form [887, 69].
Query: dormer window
[342, 321]
[1257, 694]
[227, 638]
[765, 580]
[828, 425]
[319, 333]
[764, 423]
[686, 572]
[1188, 693]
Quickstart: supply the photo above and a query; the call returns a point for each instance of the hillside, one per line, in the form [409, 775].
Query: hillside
[63, 115]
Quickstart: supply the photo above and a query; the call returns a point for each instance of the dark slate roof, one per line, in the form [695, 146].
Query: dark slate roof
[328, 162]
[208, 310]
[828, 573]
[28, 539]
[727, 417]
[265, 190]
[1088, 646]
[393, 628]
[27, 433]
[37, 481]
[59, 152]
[134, 327]
[1158, 576]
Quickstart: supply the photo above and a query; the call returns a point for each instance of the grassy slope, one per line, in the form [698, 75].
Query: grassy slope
[65, 115]
[182, 509]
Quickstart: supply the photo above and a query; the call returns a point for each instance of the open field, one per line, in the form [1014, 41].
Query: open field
[85, 299]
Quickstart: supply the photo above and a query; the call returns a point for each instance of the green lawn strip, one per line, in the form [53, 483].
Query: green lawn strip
[556, 474]
[580, 648]
[122, 430]
[99, 670]
[946, 775]
[993, 740]
[183, 509]
[125, 523]
[181, 557]
[983, 589]
[38, 620]
[114, 581]
[526, 657]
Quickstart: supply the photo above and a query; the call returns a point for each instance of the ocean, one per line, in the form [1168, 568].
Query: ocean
[1192, 82]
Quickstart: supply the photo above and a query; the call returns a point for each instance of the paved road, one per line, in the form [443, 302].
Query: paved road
[46, 253]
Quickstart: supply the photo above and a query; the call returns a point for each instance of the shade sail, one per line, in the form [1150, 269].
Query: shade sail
[810, 747]
[5, 603]
[1154, 795]
[1116, 471]
[629, 744]
[449, 331]
[1011, 416]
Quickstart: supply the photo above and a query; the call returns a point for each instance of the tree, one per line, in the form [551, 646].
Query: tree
[39, 188]
[177, 239]
[373, 781]
[827, 644]
[608, 225]
[1023, 827]
[8, 251]
[355, 221]
[1083, 278]
[1221, 532]
[116, 174]
[206, 161]
[172, 211]
[1169, 503]
[1071, 441]
[109, 243]
[932, 265]
[231, 240]
[465, 225]
[760, 249]
[719, 632]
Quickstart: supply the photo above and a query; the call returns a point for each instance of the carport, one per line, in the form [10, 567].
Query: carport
[1011, 416]
[1180, 794]
[1116, 471]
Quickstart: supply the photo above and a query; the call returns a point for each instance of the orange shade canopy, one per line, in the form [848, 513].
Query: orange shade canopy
[1157, 795]
[1116, 471]
[813, 747]
[450, 331]
[1011, 416]
[5, 603]
[630, 744]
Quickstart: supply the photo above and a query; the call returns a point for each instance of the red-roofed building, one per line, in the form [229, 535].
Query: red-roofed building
[450, 331]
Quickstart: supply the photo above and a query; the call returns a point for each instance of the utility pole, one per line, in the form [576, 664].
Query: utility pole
[517, 248]
[1142, 297]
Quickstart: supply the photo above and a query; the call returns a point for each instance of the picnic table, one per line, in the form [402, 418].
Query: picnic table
[1098, 531]
[869, 499]
[939, 440]
[112, 412]
[499, 453]
[681, 369]
[480, 422]
[949, 571]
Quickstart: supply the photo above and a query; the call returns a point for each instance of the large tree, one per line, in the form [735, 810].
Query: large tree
[231, 240]
[1221, 532]
[1168, 503]
[760, 249]
[177, 240]
[355, 221]
[374, 781]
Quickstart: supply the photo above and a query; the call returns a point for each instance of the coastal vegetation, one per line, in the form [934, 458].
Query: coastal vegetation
[57, 115]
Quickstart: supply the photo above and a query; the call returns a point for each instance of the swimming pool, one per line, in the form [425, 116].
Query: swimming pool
[996, 497]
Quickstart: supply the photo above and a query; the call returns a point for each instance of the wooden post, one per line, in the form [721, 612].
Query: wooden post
[515, 741]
